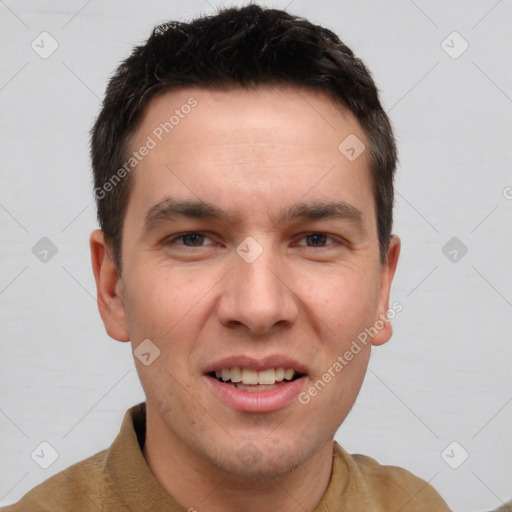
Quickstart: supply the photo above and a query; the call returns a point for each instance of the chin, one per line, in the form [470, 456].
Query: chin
[261, 461]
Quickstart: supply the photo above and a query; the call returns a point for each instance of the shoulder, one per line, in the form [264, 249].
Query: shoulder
[391, 488]
[77, 488]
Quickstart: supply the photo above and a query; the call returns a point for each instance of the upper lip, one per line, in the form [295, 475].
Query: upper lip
[259, 364]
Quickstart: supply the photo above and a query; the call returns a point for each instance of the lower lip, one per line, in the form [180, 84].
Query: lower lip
[257, 401]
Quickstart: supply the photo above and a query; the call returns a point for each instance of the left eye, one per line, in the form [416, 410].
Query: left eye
[316, 238]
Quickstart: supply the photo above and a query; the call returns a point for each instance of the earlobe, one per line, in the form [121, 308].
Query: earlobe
[382, 322]
[109, 288]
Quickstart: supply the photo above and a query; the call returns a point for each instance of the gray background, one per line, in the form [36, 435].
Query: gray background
[444, 377]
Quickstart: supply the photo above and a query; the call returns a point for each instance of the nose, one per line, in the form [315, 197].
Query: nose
[258, 295]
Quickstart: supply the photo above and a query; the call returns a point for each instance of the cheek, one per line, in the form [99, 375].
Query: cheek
[160, 298]
[346, 299]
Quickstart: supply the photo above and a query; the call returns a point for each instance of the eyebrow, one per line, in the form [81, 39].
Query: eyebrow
[170, 209]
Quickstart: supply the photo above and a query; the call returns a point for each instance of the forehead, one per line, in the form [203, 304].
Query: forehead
[257, 113]
[248, 147]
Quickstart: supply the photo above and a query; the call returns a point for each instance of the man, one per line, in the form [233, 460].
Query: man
[243, 170]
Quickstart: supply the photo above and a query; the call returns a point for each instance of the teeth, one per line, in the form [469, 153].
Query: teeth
[267, 376]
[236, 375]
[288, 374]
[249, 376]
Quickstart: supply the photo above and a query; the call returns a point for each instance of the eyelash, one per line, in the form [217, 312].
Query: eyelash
[182, 235]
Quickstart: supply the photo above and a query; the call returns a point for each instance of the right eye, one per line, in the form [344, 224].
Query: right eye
[194, 237]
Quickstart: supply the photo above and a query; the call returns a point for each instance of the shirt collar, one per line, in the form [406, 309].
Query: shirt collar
[127, 472]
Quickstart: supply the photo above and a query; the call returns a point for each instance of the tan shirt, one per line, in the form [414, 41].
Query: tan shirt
[119, 480]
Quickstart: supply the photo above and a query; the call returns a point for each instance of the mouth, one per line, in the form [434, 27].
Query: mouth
[248, 379]
[247, 385]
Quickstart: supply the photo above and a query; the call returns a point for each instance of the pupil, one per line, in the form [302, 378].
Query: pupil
[316, 235]
[191, 235]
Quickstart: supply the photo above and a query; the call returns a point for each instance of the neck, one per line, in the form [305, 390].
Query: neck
[198, 485]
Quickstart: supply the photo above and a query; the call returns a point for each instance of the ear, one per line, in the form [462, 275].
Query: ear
[387, 273]
[109, 288]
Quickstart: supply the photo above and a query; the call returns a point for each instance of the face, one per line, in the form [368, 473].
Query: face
[254, 289]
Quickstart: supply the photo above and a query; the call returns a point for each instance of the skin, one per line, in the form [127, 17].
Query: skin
[250, 152]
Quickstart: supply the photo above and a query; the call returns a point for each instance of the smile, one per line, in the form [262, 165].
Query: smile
[256, 386]
[253, 380]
